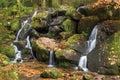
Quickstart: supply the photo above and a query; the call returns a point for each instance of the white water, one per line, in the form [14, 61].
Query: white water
[91, 43]
[23, 25]
[18, 55]
[28, 45]
[51, 58]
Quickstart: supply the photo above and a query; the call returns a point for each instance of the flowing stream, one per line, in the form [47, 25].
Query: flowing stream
[91, 43]
[29, 46]
[51, 58]
[18, 54]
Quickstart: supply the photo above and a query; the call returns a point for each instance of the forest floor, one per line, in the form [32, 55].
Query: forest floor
[31, 71]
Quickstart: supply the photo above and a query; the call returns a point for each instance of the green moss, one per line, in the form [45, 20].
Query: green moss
[7, 50]
[75, 39]
[53, 73]
[4, 60]
[69, 26]
[15, 25]
[59, 53]
[64, 64]
[111, 57]
[38, 21]
[71, 11]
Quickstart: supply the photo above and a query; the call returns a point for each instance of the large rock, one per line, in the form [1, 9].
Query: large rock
[69, 26]
[106, 57]
[114, 24]
[87, 23]
[71, 49]
[42, 47]
[40, 21]
[73, 13]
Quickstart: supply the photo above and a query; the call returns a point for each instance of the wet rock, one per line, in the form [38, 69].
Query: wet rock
[55, 25]
[82, 10]
[105, 57]
[86, 24]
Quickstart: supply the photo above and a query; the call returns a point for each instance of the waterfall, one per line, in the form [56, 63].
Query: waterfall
[91, 43]
[29, 46]
[18, 55]
[51, 58]
[23, 25]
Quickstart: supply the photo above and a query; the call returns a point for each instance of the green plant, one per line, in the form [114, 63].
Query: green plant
[53, 73]
[64, 64]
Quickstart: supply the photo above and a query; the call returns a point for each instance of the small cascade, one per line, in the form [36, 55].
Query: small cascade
[18, 55]
[29, 46]
[23, 25]
[51, 58]
[91, 43]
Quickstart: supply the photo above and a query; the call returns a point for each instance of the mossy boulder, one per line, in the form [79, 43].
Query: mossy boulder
[4, 60]
[42, 47]
[8, 74]
[71, 49]
[51, 73]
[72, 13]
[39, 21]
[106, 57]
[69, 26]
[86, 24]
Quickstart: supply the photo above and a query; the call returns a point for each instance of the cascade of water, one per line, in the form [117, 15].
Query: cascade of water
[35, 13]
[91, 43]
[23, 25]
[51, 58]
[29, 45]
[18, 55]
